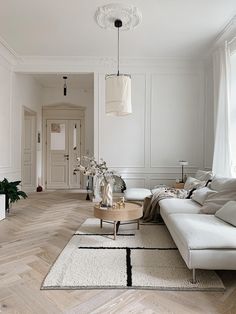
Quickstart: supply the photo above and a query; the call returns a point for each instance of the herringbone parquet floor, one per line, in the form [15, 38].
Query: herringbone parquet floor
[34, 234]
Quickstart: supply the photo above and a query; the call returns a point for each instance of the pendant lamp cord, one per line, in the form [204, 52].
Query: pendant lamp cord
[118, 61]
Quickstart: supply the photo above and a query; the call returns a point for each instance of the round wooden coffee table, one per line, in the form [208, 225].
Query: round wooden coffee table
[131, 212]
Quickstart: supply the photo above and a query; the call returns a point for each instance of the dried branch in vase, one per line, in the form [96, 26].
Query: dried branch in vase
[88, 166]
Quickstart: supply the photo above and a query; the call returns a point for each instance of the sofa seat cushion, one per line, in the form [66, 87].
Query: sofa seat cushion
[177, 206]
[201, 232]
[136, 194]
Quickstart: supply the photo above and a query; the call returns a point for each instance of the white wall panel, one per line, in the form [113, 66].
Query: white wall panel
[134, 182]
[176, 120]
[26, 94]
[5, 116]
[122, 139]
[167, 125]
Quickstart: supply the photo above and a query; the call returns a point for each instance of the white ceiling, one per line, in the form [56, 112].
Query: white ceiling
[76, 81]
[170, 28]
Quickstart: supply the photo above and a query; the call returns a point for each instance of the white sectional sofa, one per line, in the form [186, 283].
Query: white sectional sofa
[203, 240]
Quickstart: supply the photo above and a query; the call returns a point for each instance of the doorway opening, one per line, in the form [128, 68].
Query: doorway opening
[64, 143]
[28, 176]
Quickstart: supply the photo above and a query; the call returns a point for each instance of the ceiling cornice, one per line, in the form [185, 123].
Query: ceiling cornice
[34, 64]
[8, 53]
[227, 30]
[226, 34]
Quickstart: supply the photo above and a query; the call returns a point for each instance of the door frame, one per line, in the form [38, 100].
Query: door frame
[62, 111]
[33, 114]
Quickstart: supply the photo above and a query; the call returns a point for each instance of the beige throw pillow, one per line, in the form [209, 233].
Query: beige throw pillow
[215, 201]
[203, 175]
[192, 183]
[200, 195]
[227, 213]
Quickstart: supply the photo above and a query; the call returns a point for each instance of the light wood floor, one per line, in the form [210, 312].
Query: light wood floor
[34, 234]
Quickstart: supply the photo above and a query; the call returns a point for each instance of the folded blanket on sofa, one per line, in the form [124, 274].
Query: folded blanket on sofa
[151, 210]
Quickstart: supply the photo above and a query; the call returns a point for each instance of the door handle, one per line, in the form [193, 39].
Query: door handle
[67, 156]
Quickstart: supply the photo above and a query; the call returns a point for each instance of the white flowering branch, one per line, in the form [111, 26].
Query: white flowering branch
[88, 166]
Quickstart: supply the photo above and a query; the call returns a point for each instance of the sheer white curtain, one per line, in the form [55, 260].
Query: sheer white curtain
[232, 47]
[222, 163]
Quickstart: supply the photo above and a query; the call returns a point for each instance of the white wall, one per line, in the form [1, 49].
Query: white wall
[83, 98]
[27, 94]
[7, 166]
[16, 91]
[172, 116]
[169, 122]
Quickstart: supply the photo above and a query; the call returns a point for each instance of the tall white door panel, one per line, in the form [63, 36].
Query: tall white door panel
[28, 171]
[63, 148]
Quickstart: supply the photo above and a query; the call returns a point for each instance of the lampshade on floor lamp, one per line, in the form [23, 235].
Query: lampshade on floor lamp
[183, 163]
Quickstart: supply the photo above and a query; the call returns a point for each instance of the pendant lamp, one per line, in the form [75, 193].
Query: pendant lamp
[118, 87]
[65, 86]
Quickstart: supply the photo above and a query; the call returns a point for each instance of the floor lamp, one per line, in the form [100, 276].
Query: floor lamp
[182, 164]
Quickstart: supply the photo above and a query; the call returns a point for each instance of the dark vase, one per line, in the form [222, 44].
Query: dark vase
[7, 207]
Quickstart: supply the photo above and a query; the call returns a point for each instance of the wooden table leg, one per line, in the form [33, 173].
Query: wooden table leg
[114, 230]
[138, 224]
[101, 223]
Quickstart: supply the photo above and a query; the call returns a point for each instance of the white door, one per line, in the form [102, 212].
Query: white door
[29, 153]
[63, 147]
[74, 152]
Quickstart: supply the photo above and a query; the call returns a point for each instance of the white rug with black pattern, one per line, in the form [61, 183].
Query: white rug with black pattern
[137, 259]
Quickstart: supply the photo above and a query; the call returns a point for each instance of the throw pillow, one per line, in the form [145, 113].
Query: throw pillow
[200, 195]
[215, 201]
[203, 175]
[227, 213]
[223, 184]
[193, 183]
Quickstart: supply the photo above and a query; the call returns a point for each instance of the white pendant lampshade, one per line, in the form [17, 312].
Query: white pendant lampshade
[118, 95]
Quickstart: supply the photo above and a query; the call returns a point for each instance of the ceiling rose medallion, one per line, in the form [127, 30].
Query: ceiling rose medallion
[118, 86]
[128, 14]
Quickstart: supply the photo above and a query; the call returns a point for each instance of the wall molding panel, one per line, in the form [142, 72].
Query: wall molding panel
[169, 109]
[6, 86]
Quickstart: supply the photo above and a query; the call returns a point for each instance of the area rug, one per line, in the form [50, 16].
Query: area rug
[137, 259]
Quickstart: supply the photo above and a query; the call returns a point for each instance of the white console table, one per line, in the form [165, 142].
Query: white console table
[2, 207]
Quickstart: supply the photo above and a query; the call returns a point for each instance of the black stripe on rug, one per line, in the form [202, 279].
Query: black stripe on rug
[128, 268]
[125, 248]
[105, 234]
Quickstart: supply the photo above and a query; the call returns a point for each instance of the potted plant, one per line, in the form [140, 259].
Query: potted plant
[11, 191]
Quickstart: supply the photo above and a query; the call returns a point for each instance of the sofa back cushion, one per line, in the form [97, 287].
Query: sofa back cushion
[203, 175]
[200, 195]
[215, 201]
[192, 183]
[136, 194]
[223, 184]
[227, 213]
